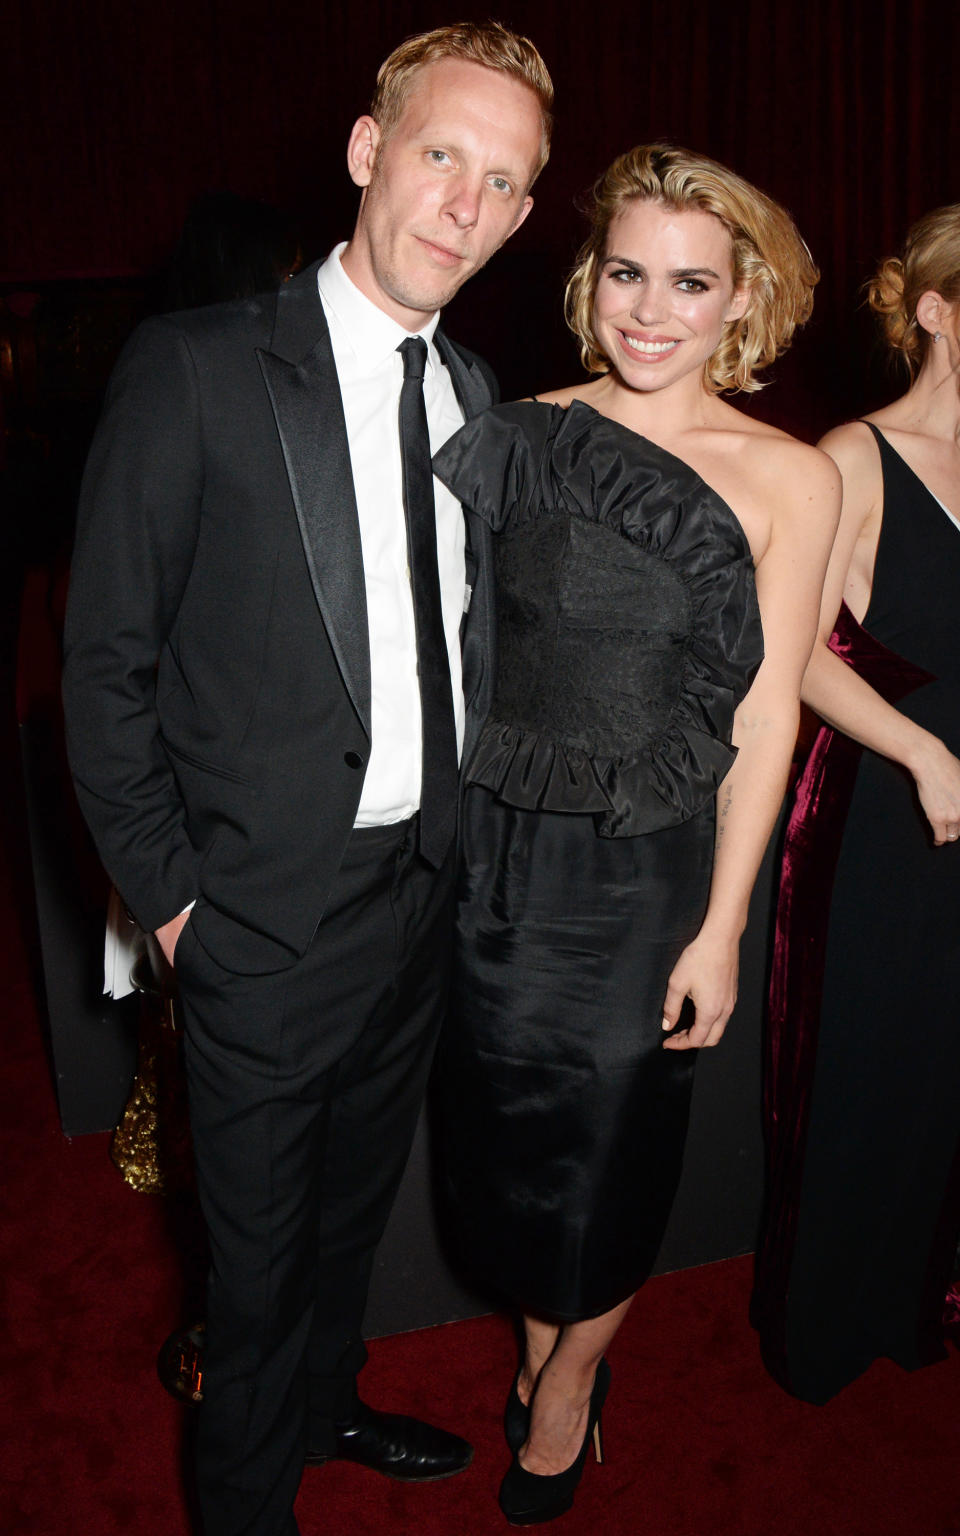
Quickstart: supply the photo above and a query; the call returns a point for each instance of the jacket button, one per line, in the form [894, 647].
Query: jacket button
[353, 759]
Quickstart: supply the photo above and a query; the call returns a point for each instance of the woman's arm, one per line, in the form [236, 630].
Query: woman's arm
[790, 576]
[834, 690]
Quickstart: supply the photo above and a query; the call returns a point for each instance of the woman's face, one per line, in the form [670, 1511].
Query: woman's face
[664, 293]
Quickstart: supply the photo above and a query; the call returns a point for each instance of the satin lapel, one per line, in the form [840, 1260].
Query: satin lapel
[477, 647]
[305, 396]
[470, 386]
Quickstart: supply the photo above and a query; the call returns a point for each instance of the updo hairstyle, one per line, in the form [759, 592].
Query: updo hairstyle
[930, 263]
[769, 257]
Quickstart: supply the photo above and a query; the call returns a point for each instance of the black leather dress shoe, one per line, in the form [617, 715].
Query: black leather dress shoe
[397, 1446]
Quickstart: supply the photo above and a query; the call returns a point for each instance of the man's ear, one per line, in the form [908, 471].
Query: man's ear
[527, 205]
[362, 147]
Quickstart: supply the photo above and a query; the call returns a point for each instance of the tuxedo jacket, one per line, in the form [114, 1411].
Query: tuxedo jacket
[217, 667]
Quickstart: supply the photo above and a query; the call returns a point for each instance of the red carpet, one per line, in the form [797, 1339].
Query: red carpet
[699, 1440]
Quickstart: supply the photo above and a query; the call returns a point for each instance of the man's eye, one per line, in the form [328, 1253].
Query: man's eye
[500, 184]
[439, 156]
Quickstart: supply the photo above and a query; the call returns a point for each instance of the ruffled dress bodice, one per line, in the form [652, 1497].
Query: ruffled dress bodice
[627, 621]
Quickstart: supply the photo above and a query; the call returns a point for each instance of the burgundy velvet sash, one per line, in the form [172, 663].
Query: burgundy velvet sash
[810, 854]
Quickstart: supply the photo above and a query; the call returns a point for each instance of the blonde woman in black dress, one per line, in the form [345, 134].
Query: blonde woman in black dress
[642, 529]
[863, 1082]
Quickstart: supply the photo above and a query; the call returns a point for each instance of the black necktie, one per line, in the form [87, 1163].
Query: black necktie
[438, 789]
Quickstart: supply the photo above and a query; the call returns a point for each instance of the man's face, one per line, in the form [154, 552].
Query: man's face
[445, 190]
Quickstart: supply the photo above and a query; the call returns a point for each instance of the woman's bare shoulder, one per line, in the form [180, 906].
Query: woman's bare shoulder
[851, 444]
[794, 467]
[762, 450]
[853, 448]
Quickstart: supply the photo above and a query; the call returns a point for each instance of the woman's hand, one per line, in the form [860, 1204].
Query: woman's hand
[707, 973]
[937, 777]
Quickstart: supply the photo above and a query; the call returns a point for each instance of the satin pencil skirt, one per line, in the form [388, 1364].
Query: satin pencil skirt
[564, 1118]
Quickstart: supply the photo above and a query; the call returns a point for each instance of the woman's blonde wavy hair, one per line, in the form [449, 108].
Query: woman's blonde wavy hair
[769, 257]
[930, 263]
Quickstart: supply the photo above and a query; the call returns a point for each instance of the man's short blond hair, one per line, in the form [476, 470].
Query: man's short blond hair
[487, 43]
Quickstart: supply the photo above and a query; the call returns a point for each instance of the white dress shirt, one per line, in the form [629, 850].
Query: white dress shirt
[370, 370]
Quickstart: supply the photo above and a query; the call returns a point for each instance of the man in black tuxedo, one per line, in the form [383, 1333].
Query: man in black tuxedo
[266, 696]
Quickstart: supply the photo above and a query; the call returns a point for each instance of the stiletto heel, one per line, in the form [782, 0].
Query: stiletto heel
[516, 1415]
[529, 1499]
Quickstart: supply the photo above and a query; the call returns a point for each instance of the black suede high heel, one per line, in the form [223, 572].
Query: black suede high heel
[529, 1499]
[516, 1415]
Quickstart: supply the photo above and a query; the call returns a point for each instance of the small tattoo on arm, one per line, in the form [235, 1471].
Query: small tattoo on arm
[726, 800]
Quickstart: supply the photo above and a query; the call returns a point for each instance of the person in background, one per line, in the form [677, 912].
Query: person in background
[230, 247]
[265, 706]
[863, 1069]
[659, 557]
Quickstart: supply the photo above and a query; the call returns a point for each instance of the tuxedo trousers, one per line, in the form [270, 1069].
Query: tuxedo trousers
[305, 1086]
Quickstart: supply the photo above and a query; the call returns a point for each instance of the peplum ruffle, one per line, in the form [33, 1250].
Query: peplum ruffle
[627, 614]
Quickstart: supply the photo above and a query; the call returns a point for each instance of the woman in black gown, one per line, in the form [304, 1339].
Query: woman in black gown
[863, 1084]
[637, 519]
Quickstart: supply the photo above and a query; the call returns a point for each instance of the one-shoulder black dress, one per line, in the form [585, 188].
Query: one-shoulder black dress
[628, 631]
[863, 1050]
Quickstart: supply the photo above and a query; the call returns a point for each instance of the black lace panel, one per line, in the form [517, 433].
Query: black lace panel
[591, 636]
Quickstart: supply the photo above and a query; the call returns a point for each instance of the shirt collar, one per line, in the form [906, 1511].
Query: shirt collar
[370, 334]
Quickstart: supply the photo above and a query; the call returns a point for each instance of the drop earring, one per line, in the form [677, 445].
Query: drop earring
[937, 336]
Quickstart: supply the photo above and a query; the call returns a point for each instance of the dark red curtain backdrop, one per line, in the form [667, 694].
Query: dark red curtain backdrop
[120, 111]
